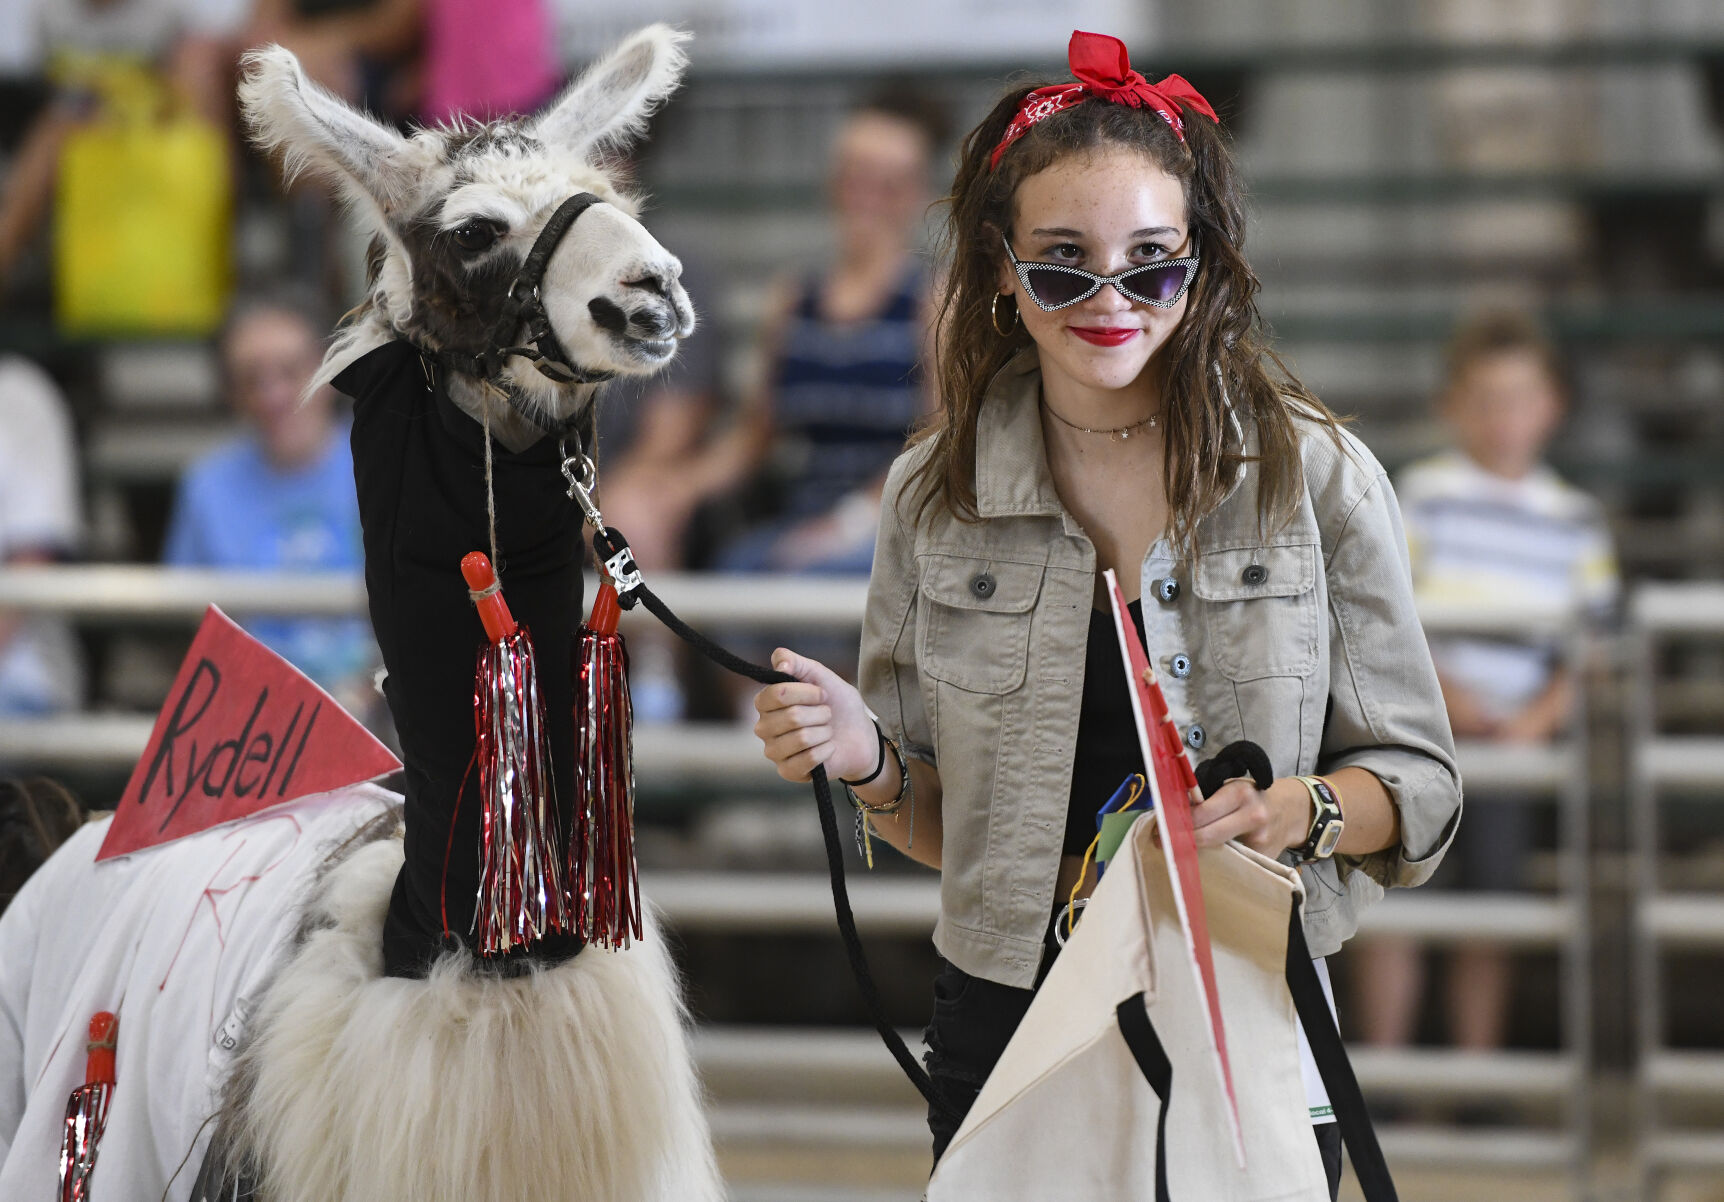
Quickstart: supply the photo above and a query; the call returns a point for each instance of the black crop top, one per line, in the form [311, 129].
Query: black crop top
[1107, 749]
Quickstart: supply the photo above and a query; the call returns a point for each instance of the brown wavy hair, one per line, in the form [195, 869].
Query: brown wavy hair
[36, 816]
[1218, 351]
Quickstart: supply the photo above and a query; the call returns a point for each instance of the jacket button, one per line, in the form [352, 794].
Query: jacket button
[1179, 666]
[983, 585]
[1254, 573]
[1194, 737]
[1166, 589]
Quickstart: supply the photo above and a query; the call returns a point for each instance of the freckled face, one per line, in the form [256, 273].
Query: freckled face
[1104, 211]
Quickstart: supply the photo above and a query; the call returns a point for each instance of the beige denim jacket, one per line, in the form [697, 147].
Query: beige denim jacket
[1305, 641]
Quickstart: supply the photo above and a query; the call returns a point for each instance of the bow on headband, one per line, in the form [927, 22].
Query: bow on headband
[1104, 73]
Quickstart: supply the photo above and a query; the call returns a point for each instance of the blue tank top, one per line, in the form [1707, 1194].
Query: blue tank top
[849, 393]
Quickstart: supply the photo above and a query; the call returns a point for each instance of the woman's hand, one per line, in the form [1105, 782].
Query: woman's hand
[1265, 820]
[820, 719]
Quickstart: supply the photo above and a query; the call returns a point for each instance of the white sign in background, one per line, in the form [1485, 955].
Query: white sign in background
[885, 33]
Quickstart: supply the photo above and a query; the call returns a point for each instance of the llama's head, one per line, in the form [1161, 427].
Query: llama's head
[454, 211]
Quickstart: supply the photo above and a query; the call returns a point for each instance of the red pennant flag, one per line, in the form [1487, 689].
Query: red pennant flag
[242, 731]
[1173, 785]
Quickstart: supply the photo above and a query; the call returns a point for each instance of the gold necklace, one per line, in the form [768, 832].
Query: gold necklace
[1117, 434]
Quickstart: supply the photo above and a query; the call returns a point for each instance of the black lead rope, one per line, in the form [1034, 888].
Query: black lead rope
[612, 549]
[1330, 1055]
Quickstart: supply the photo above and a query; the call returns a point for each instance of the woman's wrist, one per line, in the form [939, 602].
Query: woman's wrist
[885, 788]
[879, 764]
[1290, 804]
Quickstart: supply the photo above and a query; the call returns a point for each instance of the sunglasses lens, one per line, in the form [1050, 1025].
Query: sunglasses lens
[1156, 285]
[1055, 288]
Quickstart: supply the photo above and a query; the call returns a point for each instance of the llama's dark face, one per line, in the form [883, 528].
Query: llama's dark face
[455, 211]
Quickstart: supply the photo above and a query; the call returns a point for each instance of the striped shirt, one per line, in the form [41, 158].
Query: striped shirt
[848, 394]
[1477, 539]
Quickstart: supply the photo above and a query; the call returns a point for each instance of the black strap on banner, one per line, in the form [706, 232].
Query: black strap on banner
[1133, 1018]
[1336, 1070]
[608, 543]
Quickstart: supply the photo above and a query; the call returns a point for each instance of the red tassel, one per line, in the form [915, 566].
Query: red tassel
[87, 1112]
[521, 894]
[604, 886]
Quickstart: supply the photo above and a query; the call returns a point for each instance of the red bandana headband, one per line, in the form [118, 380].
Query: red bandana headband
[1104, 73]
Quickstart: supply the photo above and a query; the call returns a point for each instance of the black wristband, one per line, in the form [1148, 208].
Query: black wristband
[878, 768]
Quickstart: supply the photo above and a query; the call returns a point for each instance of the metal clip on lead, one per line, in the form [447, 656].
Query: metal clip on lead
[583, 477]
[610, 548]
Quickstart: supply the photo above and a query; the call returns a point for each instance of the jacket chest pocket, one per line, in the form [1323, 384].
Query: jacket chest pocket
[974, 628]
[1260, 609]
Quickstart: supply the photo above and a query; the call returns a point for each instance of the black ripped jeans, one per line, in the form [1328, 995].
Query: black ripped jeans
[974, 1020]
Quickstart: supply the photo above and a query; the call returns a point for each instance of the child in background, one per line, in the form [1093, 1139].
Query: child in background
[1489, 525]
[41, 522]
[281, 496]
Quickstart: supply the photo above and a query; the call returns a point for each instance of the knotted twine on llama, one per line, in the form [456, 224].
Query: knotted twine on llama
[603, 882]
[521, 894]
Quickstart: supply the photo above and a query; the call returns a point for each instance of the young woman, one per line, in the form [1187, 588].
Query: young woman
[1108, 401]
[842, 382]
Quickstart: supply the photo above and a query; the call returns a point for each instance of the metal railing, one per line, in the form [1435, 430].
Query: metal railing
[131, 593]
[1664, 768]
[907, 906]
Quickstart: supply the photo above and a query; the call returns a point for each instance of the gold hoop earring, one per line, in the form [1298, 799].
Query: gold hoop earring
[994, 314]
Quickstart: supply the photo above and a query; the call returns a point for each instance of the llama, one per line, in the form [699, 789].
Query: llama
[302, 1014]
[453, 211]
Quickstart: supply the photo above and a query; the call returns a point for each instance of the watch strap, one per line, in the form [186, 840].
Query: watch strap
[1326, 817]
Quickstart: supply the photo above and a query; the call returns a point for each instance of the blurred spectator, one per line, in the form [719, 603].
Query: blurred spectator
[82, 47]
[659, 458]
[1489, 525]
[41, 521]
[280, 497]
[841, 385]
[659, 463]
[188, 41]
[512, 69]
[366, 52]
[359, 49]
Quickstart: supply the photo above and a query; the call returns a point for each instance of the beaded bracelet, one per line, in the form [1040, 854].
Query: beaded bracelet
[906, 792]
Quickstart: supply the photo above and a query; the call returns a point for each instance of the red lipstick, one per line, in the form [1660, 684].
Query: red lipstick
[1106, 335]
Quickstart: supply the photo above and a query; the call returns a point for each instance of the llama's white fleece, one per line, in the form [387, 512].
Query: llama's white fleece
[181, 941]
[569, 1083]
[574, 1083]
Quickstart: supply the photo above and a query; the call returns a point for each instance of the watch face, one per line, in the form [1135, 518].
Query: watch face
[1327, 841]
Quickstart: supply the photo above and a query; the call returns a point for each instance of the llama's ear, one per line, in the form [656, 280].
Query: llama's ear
[610, 103]
[318, 133]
